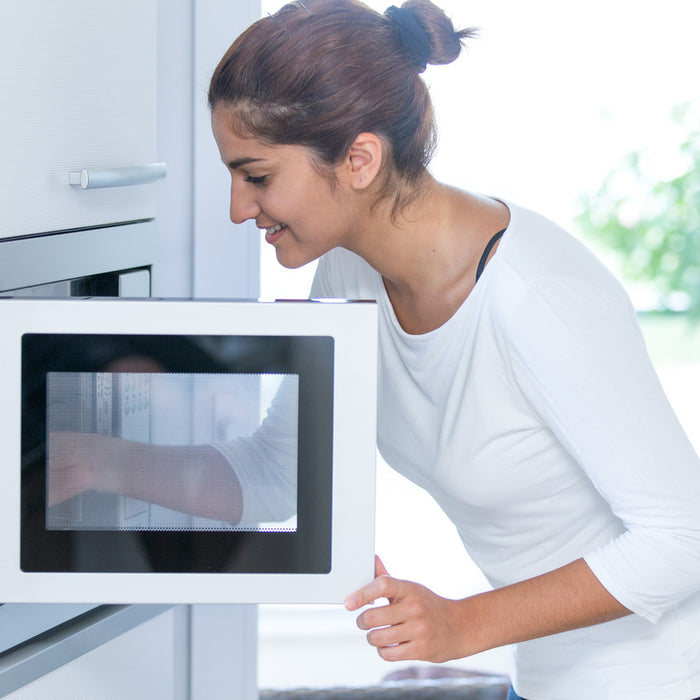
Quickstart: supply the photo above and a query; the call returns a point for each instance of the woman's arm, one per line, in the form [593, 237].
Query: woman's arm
[418, 624]
[191, 479]
[242, 481]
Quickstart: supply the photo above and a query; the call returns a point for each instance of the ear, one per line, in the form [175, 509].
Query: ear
[364, 160]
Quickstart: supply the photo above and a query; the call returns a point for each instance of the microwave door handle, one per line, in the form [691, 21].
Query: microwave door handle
[117, 177]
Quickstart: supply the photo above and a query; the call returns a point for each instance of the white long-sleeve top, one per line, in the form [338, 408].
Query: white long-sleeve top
[536, 420]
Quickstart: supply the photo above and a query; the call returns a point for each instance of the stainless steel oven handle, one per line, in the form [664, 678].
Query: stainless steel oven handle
[117, 177]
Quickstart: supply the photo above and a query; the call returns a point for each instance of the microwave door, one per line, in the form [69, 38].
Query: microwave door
[275, 393]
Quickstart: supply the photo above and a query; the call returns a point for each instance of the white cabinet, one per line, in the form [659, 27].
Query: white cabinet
[77, 91]
[111, 659]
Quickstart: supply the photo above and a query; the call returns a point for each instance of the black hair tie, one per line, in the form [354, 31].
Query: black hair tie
[414, 38]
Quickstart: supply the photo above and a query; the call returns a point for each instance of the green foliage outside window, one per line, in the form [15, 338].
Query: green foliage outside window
[653, 223]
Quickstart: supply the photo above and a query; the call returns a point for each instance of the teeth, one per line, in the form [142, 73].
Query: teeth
[274, 229]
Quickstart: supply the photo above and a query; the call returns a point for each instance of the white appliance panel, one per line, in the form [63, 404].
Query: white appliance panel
[78, 92]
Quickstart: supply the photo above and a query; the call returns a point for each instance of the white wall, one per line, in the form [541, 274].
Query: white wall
[226, 257]
[201, 253]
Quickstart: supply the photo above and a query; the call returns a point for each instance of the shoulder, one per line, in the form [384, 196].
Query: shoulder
[555, 311]
[538, 248]
[543, 265]
[341, 274]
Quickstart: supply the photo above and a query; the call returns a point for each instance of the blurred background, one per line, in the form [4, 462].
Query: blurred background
[587, 113]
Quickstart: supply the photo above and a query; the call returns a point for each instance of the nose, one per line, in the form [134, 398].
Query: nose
[243, 203]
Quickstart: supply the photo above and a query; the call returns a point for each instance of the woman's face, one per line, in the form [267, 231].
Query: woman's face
[278, 187]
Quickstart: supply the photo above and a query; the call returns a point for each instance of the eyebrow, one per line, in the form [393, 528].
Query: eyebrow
[234, 164]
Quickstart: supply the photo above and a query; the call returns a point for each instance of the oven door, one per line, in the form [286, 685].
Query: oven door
[113, 261]
[186, 451]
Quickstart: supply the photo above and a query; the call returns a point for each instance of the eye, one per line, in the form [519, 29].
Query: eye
[256, 180]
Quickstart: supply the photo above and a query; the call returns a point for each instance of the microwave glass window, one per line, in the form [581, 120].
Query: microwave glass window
[176, 453]
[94, 419]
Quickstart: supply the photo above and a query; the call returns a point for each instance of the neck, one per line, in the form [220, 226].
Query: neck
[428, 254]
[407, 247]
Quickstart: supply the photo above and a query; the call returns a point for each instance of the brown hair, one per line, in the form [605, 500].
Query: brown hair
[320, 72]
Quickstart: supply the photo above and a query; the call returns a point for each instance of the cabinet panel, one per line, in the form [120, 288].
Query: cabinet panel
[143, 663]
[77, 91]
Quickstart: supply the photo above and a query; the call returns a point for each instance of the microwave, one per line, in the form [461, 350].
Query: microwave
[180, 451]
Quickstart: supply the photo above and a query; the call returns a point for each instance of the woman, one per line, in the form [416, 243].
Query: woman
[514, 384]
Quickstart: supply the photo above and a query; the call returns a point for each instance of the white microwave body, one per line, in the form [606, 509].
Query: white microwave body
[282, 392]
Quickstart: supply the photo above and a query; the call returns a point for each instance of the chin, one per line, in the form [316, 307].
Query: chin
[291, 261]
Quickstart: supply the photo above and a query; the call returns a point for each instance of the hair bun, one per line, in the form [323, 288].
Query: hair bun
[414, 37]
[444, 40]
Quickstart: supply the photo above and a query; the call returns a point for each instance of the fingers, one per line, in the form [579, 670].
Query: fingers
[382, 616]
[395, 634]
[399, 652]
[388, 636]
[416, 623]
[412, 626]
[381, 587]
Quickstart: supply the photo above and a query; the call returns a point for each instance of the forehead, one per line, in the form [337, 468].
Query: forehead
[228, 140]
[240, 150]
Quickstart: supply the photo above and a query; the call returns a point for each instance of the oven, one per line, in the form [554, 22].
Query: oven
[62, 265]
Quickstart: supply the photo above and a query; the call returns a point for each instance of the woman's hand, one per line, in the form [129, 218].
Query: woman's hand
[416, 624]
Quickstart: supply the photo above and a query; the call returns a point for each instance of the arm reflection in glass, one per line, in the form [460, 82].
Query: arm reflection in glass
[220, 447]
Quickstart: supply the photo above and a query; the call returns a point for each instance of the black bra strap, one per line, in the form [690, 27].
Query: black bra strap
[485, 254]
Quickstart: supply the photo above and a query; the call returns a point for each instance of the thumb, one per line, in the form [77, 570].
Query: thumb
[379, 568]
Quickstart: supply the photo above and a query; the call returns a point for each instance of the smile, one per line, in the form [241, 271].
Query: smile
[274, 233]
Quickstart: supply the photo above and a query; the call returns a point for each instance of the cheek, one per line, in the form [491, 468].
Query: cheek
[328, 204]
[309, 202]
